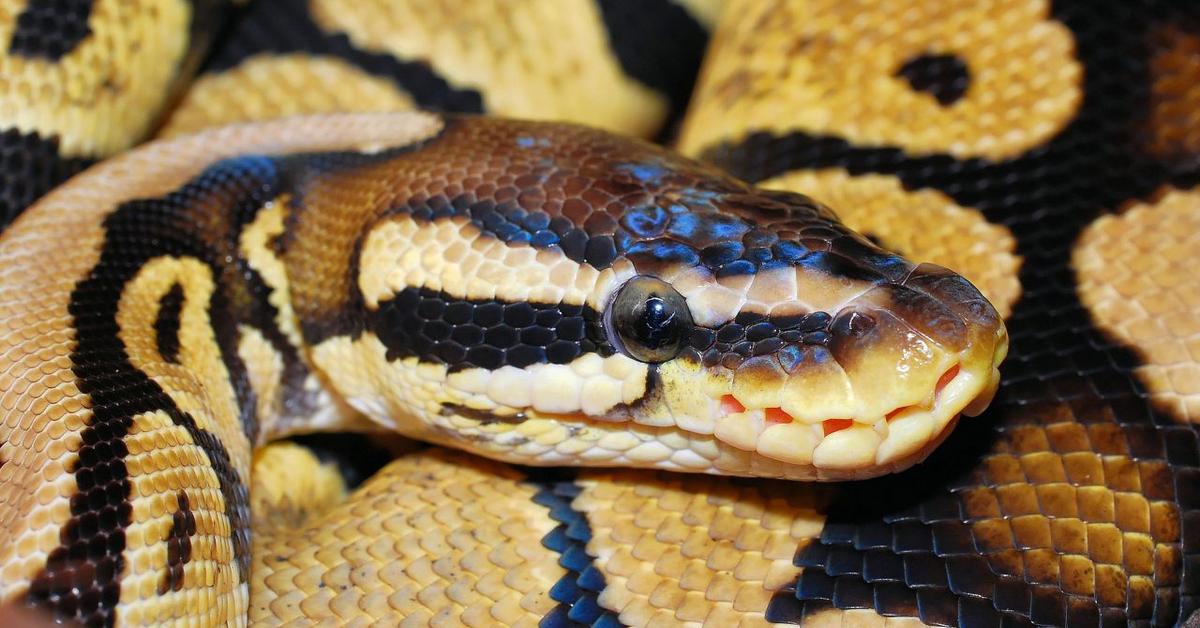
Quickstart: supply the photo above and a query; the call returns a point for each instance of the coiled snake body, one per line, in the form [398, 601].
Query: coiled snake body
[547, 294]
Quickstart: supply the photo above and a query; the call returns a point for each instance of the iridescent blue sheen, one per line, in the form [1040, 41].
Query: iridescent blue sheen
[651, 174]
[646, 222]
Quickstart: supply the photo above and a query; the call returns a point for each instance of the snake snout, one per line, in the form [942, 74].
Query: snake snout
[956, 293]
[899, 363]
[986, 335]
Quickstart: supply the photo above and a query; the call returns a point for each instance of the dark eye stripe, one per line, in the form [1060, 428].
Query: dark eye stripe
[439, 328]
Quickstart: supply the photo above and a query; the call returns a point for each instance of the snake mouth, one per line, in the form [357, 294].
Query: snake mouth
[693, 422]
[855, 447]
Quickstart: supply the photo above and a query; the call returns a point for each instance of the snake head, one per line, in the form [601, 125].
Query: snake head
[799, 345]
[557, 295]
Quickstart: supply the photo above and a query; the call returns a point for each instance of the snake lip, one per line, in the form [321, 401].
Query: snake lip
[855, 448]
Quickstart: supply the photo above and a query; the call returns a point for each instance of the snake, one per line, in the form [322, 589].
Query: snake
[608, 382]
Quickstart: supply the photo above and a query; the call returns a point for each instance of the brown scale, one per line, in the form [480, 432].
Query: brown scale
[1174, 131]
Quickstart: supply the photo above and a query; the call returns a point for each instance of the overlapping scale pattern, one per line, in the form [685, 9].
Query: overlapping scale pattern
[432, 538]
[1075, 503]
[436, 327]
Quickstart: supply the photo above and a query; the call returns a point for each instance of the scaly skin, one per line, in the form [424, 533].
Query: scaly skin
[454, 280]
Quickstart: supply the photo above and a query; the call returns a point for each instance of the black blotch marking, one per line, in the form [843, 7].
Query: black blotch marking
[49, 29]
[577, 592]
[944, 76]
[179, 544]
[659, 44]
[285, 26]
[30, 166]
[438, 328]
[462, 333]
[81, 578]
[166, 324]
[903, 545]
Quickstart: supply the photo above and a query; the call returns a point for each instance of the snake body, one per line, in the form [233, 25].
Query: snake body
[543, 293]
[536, 293]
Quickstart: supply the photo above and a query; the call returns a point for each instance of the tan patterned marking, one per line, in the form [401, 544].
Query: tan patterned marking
[452, 256]
[433, 538]
[290, 486]
[264, 369]
[162, 462]
[922, 225]
[828, 67]
[1065, 505]
[580, 82]
[39, 396]
[274, 86]
[163, 459]
[199, 384]
[1137, 277]
[695, 550]
[255, 245]
[102, 96]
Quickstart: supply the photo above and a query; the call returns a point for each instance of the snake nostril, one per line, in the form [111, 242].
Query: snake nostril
[851, 324]
[946, 378]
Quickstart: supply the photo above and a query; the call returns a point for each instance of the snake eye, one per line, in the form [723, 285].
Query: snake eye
[648, 319]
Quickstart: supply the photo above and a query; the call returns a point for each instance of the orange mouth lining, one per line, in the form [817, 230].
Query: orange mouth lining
[776, 416]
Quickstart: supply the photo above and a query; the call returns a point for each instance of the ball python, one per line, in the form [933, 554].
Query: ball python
[223, 289]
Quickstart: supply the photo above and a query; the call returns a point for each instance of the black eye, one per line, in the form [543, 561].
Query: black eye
[648, 319]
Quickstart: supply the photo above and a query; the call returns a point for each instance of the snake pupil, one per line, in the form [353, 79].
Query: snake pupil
[649, 319]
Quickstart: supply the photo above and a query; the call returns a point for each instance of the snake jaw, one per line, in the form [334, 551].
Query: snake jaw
[850, 448]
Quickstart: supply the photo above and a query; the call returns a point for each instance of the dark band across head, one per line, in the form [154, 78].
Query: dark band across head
[461, 333]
